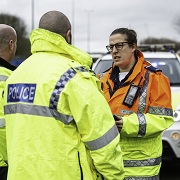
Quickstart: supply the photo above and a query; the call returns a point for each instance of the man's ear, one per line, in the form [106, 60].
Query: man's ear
[68, 36]
[11, 45]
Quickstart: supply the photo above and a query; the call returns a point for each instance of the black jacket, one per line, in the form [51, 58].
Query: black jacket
[4, 63]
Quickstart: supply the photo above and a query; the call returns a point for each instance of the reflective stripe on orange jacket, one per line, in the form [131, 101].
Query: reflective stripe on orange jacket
[143, 123]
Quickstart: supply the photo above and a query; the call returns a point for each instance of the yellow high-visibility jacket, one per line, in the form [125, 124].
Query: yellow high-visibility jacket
[59, 125]
[5, 71]
[143, 122]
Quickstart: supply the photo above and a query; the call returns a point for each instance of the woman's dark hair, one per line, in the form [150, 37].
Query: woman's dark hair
[130, 34]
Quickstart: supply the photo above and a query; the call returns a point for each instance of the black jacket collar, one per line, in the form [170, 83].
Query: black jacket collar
[115, 77]
[7, 65]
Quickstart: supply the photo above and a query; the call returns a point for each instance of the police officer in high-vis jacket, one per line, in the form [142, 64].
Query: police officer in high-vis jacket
[59, 125]
[8, 40]
[139, 95]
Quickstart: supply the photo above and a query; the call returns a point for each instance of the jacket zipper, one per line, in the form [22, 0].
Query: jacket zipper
[80, 166]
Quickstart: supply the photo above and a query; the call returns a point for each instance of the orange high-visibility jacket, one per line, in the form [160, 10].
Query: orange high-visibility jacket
[143, 123]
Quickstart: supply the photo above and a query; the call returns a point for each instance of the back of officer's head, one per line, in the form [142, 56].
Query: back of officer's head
[56, 22]
[8, 42]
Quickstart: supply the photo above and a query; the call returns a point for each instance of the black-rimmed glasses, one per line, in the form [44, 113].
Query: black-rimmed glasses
[118, 46]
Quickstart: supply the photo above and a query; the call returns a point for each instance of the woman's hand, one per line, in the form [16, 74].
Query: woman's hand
[119, 121]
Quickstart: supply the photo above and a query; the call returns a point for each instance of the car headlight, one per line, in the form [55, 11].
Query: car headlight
[175, 136]
[176, 113]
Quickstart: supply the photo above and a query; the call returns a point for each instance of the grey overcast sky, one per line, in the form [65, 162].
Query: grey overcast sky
[93, 20]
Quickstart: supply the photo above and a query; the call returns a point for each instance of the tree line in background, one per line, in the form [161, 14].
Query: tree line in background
[151, 40]
[23, 43]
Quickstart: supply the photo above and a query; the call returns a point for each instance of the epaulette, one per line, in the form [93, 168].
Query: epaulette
[153, 69]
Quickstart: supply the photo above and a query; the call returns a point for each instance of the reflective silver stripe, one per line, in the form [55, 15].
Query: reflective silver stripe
[122, 111]
[142, 107]
[143, 178]
[160, 111]
[143, 95]
[103, 140]
[70, 73]
[38, 111]
[140, 163]
[3, 78]
[2, 122]
[142, 125]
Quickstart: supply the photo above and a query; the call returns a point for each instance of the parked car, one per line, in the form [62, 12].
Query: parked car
[169, 63]
[96, 55]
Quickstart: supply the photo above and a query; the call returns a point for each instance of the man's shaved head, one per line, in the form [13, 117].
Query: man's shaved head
[7, 33]
[8, 42]
[56, 22]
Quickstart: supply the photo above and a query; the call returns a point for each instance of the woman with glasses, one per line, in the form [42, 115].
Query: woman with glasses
[140, 98]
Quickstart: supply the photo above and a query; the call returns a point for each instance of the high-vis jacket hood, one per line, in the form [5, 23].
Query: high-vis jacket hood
[59, 125]
[143, 123]
[55, 43]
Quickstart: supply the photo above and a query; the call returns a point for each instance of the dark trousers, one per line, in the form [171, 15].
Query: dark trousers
[3, 173]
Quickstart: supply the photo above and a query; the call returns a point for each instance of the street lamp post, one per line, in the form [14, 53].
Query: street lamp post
[32, 13]
[88, 28]
[73, 17]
